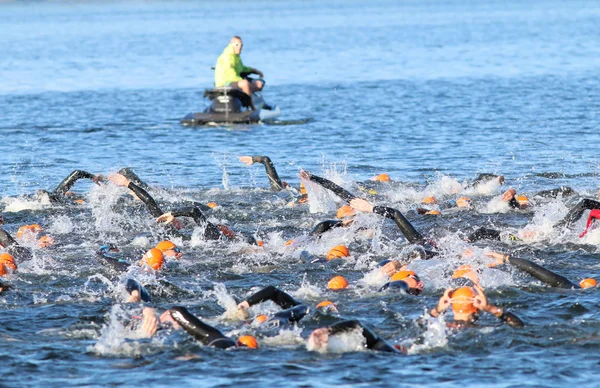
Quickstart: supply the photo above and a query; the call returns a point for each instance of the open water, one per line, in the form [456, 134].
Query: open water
[431, 93]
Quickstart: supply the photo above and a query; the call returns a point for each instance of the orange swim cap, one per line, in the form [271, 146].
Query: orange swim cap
[46, 241]
[226, 230]
[7, 260]
[337, 252]
[382, 178]
[165, 245]
[587, 283]
[248, 341]
[260, 243]
[328, 306]
[429, 200]
[154, 258]
[401, 275]
[303, 189]
[28, 229]
[345, 211]
[289, 242]
[462, 300]
[3, 270]
[463, 202]
[433, 213]
[337, 283]
[522, 199]
[462, 271]
[212, 205]
[260, 319]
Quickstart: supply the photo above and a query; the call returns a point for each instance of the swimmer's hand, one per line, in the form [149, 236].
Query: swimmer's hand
[499, 258]
[247, 160]
[97, 179]
[319, 338]
[119, 180]
[168, 218]
[149, 322]
[391, 268]
[445, 301]
[167, 318]
[362, 205]
[134, 297]
[509, 194]
[242, 312]
[480, 301]
[304, 175]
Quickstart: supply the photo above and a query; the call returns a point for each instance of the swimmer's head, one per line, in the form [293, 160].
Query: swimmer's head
[588, 282]
[248, 341]
[212, 205]
[415, 286]
[382, 178]
[433, 212]
[29, 230]
[337, 252]
[523, 200]
[429, 200]
[260, 319]
[8, 261]
[337, 283]
[46, 241]
[462, 300]
[462, 271]
[463, 202]
[345, 211]
[169, 249]
[327, 305]
[154, 258]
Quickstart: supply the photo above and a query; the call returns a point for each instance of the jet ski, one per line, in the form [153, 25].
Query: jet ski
[232, 106]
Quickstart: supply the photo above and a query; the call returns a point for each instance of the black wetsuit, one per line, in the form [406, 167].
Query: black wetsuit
[13, 247]
[203, 332]
[324, 226]
[274, 180]
[373, 341]
[484, 178]
[134, 285]
[577, 211]
[294, 310]
[565, 191]
[541, 273]
[58, 194]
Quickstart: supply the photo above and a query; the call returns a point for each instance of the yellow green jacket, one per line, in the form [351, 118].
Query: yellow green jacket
[228, 68]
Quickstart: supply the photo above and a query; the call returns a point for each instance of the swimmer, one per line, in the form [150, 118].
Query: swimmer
[209, 336]
[407, 281]
[61, 192]
[13, 247]
[540, 273]
[293, 311]
[466, 302]
[363, 205]
[319, 338]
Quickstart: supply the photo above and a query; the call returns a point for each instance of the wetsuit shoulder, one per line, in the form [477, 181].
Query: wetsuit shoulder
[274, 294]
[203, 332]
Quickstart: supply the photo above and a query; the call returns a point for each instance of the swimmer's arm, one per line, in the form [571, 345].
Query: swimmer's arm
[146, 198]
[281, 298]
[373, 341]
[505, 316]
[326, 183]
[274, 180]
[404, 225]
[194, 326]
[129, 174]
[540, 273]
[324, 226]
[69, 181]
[211, 231]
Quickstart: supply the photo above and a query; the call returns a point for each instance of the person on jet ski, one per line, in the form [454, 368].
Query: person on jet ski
[229, 69]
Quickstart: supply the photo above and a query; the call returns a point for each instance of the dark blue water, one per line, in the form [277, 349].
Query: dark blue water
[430, 93]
